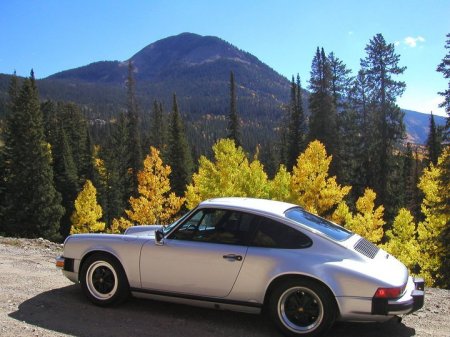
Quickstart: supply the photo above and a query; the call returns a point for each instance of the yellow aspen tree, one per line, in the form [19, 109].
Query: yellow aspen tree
[87, 211]
[279, 186]
[155, 203]
[99, 164]
[402, 242]
[229, 175]
[436, 222]
[119, 225]
[311, 187]
[368, 221]
[254, 180]
[342, 214]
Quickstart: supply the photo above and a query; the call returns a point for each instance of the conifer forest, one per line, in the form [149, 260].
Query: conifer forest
[339, 150]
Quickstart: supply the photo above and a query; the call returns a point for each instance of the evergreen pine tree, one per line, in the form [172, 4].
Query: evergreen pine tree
[13, 91]
[444, 68]
[283, 131]
[412, 169]
[233, 118]
[296, 125]
[323, 118]
[179, 156]
[3, 177]
[433, 142]
[359, 101]
[340, 84]
[90, 165]
[352, 150]
[386, 119]
[75, 127]
[64, 168]
[133, 128]
[34, 206]
[118, 176]
[340, 81]
[157, 128]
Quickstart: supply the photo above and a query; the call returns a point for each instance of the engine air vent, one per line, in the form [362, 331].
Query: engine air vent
[366, 248]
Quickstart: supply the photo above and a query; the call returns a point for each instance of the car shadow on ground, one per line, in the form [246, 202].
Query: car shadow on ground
[65, 310]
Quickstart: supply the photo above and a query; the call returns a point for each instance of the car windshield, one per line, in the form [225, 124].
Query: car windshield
[326, 227]
[168, 228]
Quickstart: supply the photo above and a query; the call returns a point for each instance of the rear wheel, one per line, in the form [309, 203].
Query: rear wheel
[103, 280]
[302, 308]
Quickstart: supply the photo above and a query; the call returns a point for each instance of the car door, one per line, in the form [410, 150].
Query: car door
[203, 256]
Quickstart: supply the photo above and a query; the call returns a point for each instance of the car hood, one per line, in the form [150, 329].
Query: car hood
[143, 230]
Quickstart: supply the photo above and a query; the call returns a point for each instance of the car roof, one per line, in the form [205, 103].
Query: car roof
[259, 205]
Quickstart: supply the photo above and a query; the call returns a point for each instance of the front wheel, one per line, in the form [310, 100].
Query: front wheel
[302, 308]
[103, 280]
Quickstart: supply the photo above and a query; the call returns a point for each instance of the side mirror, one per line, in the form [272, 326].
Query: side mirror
[159, 237]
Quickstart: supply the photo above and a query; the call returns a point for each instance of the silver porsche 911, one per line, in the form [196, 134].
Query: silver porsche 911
[247, 254]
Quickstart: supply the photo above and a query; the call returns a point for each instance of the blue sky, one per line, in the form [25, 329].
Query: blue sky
[55, 35]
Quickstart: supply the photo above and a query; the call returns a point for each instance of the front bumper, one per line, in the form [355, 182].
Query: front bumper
[412, 300]
[64, 263]
[67, 267]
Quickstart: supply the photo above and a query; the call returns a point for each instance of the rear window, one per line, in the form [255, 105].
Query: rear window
[326, 227]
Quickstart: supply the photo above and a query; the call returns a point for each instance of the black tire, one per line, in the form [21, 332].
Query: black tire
[103, 280]
[302, 308]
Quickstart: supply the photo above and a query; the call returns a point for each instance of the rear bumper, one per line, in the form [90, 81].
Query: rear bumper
[412, 300]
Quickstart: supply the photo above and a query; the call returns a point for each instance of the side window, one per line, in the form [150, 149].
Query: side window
[188, 229]
[272, 234]
[216, 226]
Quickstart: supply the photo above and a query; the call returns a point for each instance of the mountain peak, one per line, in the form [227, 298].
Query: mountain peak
[165, 56]
[185, 49]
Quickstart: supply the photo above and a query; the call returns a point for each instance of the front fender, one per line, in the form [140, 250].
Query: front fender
[126, 250]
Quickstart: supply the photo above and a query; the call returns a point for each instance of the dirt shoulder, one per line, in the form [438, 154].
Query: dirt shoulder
[37, 300]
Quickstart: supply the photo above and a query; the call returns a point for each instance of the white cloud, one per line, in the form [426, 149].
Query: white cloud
[413, 41]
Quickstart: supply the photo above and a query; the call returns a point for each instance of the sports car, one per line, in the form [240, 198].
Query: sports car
[248, 255]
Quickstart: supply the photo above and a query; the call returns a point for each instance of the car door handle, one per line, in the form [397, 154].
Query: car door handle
[233, 257]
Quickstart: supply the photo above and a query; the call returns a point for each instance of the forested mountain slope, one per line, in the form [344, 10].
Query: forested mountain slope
[197, 69]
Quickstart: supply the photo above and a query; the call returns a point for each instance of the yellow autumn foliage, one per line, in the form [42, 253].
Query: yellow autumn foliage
[402, 242]
[155, 203]
[280, 185]
[87, 211]
[437, 218]
[311, 186]
[119, 225]
[229, 175]
[368, 221]
[342, 214]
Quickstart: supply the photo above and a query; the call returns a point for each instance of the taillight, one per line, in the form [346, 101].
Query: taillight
[389, 292]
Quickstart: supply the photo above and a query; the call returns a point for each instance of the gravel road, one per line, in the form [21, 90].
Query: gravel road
[37, 300]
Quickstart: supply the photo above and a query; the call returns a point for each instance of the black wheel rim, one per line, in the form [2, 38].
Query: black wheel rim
[101, 280]
[300, 309]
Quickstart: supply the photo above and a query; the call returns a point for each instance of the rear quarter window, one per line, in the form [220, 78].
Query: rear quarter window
[272, 234]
